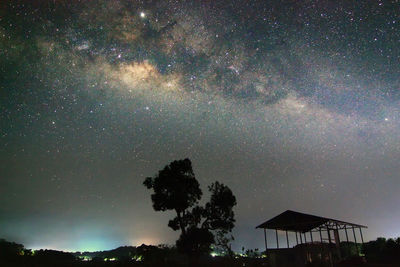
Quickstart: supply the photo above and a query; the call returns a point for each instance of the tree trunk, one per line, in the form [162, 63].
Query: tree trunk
[181, 223]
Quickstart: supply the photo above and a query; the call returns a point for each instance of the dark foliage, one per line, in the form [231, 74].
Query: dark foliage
[15, 255]
[176, 188]
[218, 212]
[382, 251]
[349, 249]
[196, 241]
[53, 256]
[12, 254]
[9, 250]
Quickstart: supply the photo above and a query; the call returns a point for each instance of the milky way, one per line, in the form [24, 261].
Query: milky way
[292, 104]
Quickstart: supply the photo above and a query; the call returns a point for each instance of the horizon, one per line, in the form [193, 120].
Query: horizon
[106, 246]
[131, 245]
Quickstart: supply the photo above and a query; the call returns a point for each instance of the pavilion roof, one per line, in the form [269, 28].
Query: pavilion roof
[300, 222]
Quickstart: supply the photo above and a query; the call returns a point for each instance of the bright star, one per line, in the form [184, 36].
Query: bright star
[142, 15]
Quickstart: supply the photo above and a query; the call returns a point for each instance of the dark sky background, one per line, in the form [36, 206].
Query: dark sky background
[292, 104]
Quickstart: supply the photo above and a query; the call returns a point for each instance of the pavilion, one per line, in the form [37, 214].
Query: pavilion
[316, 238]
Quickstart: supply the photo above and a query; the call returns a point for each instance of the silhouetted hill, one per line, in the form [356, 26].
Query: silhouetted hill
[377, 252]
[120, 253]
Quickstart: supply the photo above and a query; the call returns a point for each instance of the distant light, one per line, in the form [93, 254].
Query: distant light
[85, 258]
[138, 258]
[142, 14]
[386, 119]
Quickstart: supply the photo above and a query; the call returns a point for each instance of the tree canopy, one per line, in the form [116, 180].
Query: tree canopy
[176, 188]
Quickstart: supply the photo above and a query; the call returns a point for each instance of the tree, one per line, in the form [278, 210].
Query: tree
[176, 188]
[10, 250]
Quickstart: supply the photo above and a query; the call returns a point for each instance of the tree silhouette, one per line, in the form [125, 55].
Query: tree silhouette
[176, 188]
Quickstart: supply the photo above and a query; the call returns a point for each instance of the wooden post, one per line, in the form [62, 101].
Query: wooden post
[297, 240]
[337, 241]
[347, 239]
[362, 238]
[355, 239]
[301, 239]
[337, 236]
[329, 236]
[305, 238]
[312, 241]
[277, 240]
[287, 239]
[322, 244]
[265, 240]
[337, 229]
[330, 244]
[320, 235]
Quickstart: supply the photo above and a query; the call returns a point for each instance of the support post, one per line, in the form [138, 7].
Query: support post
[337, 241]
[277, 240]
[330, 244]
[347, 239]
[305, 238]
[265, 240]
[297, 240]
[312, 241]
[287, 239]
[355, 239]
[301, 239]
[337, 236]
[329, 235]
[320, 235]
[362, 238]
[322, 244]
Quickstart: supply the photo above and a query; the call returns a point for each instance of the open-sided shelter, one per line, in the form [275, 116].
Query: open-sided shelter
[312, 231]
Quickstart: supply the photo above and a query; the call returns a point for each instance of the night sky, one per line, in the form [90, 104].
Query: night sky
[292, 104]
